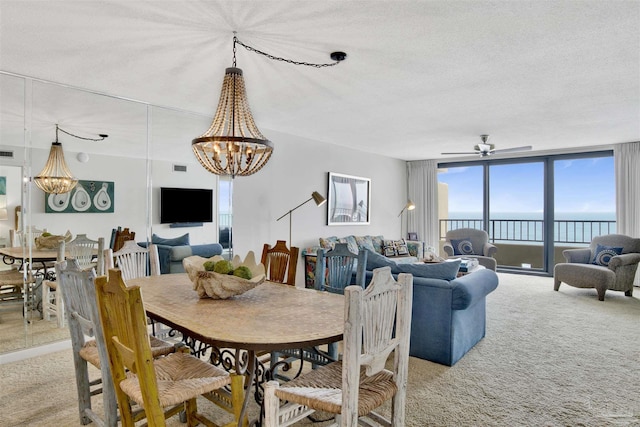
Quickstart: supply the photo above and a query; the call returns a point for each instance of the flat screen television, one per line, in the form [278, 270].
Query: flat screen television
[186, 205]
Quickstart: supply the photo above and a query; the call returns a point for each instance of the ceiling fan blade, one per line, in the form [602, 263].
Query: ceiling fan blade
[468, 152]
[512, 150]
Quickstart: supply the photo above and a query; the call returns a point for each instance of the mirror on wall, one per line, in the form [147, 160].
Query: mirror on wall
[148, 147]
[114, 171]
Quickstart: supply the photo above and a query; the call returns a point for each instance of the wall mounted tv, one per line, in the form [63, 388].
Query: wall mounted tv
[186, 205]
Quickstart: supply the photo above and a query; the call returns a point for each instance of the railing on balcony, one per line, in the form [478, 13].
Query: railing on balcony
[525, 230]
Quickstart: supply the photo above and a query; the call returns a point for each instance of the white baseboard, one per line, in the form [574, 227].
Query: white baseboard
[27, 353]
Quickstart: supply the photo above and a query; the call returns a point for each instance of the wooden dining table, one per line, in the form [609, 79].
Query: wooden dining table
[270, 317]
[39, 257]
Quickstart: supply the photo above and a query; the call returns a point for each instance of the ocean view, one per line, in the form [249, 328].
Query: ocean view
[572, 227]
[559, 216]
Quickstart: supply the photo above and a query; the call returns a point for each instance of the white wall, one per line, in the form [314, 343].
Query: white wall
[196, 177]
[130, 197]
[296, 169]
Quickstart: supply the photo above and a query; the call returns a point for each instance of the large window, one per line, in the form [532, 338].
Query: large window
[584, 199]
[225, 214]
[531, 208]
[461, 197]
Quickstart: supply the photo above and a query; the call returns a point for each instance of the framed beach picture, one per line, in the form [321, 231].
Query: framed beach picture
[349, 200]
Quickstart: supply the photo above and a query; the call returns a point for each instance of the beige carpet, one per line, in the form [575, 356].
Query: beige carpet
[16, 335]
[549, 359]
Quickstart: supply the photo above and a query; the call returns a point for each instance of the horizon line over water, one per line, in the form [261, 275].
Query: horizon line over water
[526, 227]
[560, 216]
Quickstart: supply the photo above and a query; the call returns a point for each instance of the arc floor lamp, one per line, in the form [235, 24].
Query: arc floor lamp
[316, 197]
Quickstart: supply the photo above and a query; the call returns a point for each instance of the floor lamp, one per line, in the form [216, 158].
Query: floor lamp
[316, 197]
[408, 207]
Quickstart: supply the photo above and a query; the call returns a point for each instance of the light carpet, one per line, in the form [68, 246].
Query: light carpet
[548, 359]
[17, 335]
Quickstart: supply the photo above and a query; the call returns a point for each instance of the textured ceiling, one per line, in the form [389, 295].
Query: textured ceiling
[421, 77]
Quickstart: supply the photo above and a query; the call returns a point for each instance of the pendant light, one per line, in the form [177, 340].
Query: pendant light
[55, 177]
[233, 145]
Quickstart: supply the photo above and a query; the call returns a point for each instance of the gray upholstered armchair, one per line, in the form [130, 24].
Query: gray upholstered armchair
[471, 243]
[609, 263]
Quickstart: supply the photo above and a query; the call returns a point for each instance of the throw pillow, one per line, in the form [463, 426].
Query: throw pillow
[351, 243]
[443, 270]
[603, 254]
[175, 241]
[375, 260]
[462, 247]
[365, 242]
[378, 243]
[389, 248]
[327, 243]
[401, 247]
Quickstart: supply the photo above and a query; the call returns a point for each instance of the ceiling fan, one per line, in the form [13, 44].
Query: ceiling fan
[484, 149]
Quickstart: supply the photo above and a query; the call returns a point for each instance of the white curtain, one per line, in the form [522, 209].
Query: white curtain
[422, 178]
[627, 163]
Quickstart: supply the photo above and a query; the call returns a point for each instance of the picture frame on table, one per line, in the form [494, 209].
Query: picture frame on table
[412, 236]
[349, 200]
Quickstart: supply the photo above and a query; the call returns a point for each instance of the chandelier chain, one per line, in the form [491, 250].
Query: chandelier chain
[102, 136]
[276, 58]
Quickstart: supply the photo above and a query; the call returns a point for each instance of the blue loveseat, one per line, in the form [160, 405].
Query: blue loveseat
[172, 251]
[449, 313]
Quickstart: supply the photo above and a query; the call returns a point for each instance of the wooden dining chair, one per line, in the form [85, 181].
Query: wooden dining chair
[335, 268]
[133, 260]
[377, 323]
[280, 262]
[12, 283]
[78, 289]
[23, 237]
[164, 386]
[87, 252]
[121, 236]
[334, 272]
[52, 301]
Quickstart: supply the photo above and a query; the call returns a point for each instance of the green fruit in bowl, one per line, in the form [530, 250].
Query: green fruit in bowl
[208, 266]
[243, 272]
[223, 267]
[46, 234]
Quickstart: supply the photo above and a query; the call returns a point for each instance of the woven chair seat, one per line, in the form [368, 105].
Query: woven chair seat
[320, 389]
[180, 377]
[89, 351]
[14, 278]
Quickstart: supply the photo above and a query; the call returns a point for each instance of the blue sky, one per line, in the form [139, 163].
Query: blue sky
[581, 185]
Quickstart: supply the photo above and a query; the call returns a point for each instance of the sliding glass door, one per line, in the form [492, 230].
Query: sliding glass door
[516, 214]
[532, 208]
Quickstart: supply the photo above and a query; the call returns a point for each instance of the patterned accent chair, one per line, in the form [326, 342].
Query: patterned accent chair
[471, 243]
[609, 263]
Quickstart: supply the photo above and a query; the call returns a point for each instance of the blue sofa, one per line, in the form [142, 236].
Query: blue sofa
[449, 313]
[172, 251]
